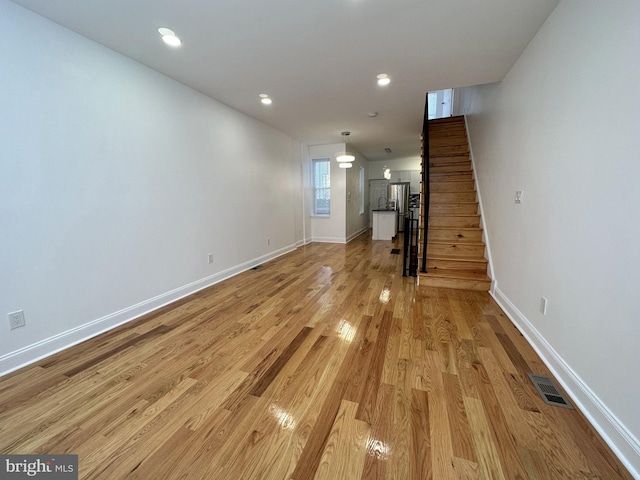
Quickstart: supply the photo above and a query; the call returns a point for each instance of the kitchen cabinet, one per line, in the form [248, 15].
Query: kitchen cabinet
[414, 177]
[384, 224]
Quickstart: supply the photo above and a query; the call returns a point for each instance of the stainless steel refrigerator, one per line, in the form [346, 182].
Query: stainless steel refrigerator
[399, 200]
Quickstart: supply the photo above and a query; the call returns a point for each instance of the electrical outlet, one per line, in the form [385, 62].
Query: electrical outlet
[519, 196]
[210, 258]
[16, 319]
[543, 305]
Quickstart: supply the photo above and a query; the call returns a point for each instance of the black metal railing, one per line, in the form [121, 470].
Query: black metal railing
[425, 183]
[411, 239]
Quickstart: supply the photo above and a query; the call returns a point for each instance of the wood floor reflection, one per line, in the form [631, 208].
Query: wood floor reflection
[322, 364]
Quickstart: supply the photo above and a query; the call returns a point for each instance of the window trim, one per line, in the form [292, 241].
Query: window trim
[316, 188]
[361, 192]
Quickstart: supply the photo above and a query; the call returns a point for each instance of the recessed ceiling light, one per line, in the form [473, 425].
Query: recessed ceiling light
[372, 114]
[345, 165]
[264, 98]
[383, 79]
[169, 37]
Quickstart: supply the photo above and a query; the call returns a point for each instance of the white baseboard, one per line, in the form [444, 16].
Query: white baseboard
[329, 239]
[44, 348]
[340, 239]
[623, 443]
[357, 234]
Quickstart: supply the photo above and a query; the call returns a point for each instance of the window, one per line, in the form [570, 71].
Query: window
[321, 187]
[361, 199]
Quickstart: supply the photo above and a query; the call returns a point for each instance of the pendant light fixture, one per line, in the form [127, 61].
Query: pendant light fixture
[345, 157]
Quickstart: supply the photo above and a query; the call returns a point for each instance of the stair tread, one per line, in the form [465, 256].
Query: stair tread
[461, 229]
[440, 242]
[457, 274]
[435, 214]
[429, 281]
[457, 258]
[452, 180]
[445, 215]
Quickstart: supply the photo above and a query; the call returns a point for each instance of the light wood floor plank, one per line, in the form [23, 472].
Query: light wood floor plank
[323, 363]
[344, 454]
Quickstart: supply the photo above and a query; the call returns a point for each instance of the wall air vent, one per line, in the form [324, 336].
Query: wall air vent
[551, 395]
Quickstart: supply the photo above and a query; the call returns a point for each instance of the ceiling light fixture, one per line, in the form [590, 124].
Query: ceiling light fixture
[264, 98]
[345, 165]
[383, 79]
[372, 114]
[345, 157]
[169, 37]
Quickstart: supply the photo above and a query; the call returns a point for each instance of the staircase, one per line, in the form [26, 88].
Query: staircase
[455, 249]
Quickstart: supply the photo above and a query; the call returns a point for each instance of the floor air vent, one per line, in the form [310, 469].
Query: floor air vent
[548, 391]
[395, 251]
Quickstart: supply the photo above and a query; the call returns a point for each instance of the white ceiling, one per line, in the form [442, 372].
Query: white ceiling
[318, 59]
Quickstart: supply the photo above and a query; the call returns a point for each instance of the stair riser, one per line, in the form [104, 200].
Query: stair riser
[453, 249]
[447, 120]
[446, 126]
[448, 159]
[448, 149]
[442, 141]
[446, 187]
[454, 235]
[471, 221]
[450, 177]
[477, 267]
[452, 132]
[453, 209]
[453, 197]
[459, 284]
[455, 168]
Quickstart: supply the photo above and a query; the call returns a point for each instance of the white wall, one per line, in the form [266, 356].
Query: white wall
[563, 127]
[117, 182]
[356, 222]
[376, 167]
[331, 228]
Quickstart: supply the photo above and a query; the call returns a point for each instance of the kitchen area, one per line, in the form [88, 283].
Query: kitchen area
[392, 200]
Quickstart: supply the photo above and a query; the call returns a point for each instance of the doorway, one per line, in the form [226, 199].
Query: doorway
[440, 103]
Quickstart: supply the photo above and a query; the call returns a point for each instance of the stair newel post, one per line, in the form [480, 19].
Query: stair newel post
[425, 182]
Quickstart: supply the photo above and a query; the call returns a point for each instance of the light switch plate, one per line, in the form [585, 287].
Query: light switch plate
[519, 196]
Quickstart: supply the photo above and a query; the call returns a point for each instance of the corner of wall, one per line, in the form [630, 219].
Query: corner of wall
[623, 443]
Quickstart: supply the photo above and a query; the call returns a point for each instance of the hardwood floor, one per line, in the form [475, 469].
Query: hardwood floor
[322, 364]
